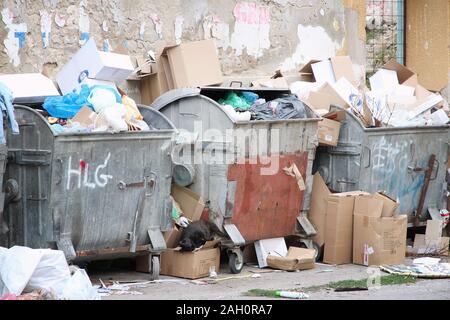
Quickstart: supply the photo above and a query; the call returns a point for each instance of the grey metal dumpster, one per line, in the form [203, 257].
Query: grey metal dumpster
[3, 156]
[94, 196]
[388, 159]
[239, 165]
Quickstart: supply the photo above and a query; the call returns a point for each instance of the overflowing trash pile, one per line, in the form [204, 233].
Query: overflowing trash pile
[247, 105]
[94, 109]
[395, 97]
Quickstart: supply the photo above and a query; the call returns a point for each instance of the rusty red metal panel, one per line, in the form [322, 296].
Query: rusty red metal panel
[266, 206]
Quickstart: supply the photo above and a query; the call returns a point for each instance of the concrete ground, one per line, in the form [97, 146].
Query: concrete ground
[235, 288]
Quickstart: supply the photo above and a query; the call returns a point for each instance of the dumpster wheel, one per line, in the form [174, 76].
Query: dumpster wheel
[319, 251]
[235, 260]
[154, 267]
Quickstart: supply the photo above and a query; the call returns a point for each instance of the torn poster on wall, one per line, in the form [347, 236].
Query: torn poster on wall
[213, 27]
[158, 24]
[179, 20]
[46, 27]
[15, 39]
[83, 24]
[251, 30]
[142, 31]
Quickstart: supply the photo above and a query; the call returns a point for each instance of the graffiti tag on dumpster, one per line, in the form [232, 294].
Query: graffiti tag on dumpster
[86, 179]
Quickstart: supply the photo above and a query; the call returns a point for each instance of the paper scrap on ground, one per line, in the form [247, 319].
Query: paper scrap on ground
[438, 270]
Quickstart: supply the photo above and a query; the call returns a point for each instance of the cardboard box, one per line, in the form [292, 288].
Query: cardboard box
[389, 204]
[296, 259]
[172, 237]
[191, 64]
[329, 132]
[190, 265]
[191, 203]
[153, 84]
[329, 70]
[318, 209]
[89, 62]
[377, 240]
[319, 101]
[306, 72]
[404, 75]
[339, 227]
[263, 248]
[277, 83]
[343, 68]
[29, 88]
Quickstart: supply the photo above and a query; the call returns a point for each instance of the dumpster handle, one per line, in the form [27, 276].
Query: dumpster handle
[436, 171]
[238, 82]
[369, 155]
[59, 175]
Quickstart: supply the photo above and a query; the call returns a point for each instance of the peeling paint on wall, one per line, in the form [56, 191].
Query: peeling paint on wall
[179, 20]
[142, 31]
[251, 30]
[15, 38]
[106, 45]
[158, 25]
[46, 27]
[213, 27]
[83, 24]
[314, 43]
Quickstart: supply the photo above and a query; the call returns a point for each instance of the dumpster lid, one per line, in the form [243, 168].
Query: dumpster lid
[174, 95]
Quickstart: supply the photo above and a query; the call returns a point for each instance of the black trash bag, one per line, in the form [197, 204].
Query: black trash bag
[286, 107]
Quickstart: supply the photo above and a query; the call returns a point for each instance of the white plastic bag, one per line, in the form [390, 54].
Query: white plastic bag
[79, 287]
[51, 273]
[16, 267]
[24, 269]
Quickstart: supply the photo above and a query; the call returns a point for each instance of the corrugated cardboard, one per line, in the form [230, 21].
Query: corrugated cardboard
[191, 64]
[191, 203]
[278, 83]
[319, 101]
[172, 237]
[263, 248]
[404, 75]
[89, 62]
[330, 70]
[306, 72]
[367, 205]
[318, 208]
[378, 241]
[343, 67]
[389, 204]
[154, 84]
[190, 265]
[329, 132]
[339, 227]
[296, 259]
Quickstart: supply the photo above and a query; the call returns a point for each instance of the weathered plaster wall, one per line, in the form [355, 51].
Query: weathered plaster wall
[253, 37]
[428, 42]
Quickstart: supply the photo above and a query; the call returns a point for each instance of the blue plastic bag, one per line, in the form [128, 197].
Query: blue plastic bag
[67, 106]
